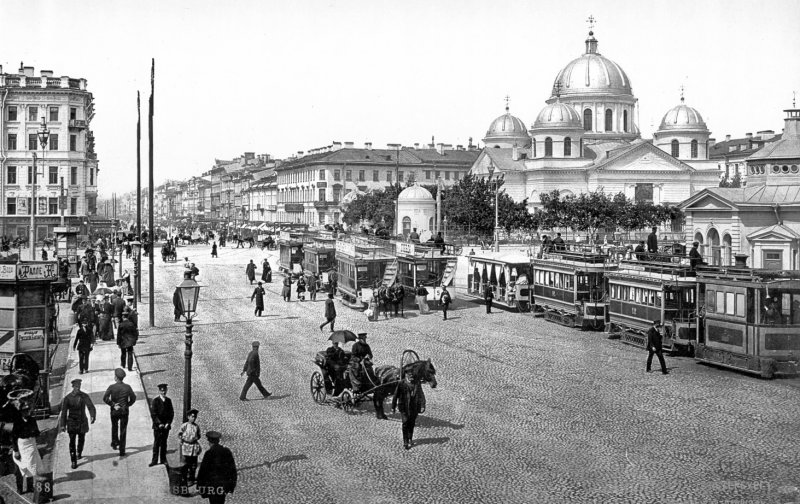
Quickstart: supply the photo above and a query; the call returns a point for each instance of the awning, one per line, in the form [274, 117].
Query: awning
[263, 226]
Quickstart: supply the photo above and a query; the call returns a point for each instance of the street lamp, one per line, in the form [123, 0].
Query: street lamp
[136, 247]
[497, 182]
[44, 136]
[188, 290]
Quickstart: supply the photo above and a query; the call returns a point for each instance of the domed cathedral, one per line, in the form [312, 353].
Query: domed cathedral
[600, 92]
[507, 131]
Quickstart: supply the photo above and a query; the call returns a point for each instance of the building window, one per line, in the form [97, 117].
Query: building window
[12, 142]
[694, 149]
[52, 175]
[361, 176]
[52, 206]
[675, 148]
[322, 174]
[32, 141]
[73, 175]
[73, 143]
[91, 176]
[11, 206]
[336, 175]
[12, 113]
[625, 121]
[11, 175]
[73, 113]
[376, 176]
[73, 206]
[400, 176]
[53, 142]
[644, 192]
[30, 175]
[54, 113]
[567, 146]
[455, 175]
[389, 176]
[609, 118]
[437, 174]
[548, 147]
[32, 113]
[348, 175]
[447, 175]
[587, 119]
[322, 194]
[427, 174]
[337, 194]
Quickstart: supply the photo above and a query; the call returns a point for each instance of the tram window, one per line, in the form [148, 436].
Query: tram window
[730, 304]
[720, 302]
[658, 298]
[751, 310]
[796, 309]
[711, 301]
[651, 298]
[740, 305]
[631, 294]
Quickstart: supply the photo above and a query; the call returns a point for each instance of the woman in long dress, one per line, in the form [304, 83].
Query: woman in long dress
[26, 454]
[422, 299]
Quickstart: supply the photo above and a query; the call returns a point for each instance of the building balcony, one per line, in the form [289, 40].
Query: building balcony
[323, 204]
[77, 124]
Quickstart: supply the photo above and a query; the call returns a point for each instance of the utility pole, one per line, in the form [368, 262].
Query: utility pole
[151, 234]
[137, 268]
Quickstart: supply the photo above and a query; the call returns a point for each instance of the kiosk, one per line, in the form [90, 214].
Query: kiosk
[67, 246]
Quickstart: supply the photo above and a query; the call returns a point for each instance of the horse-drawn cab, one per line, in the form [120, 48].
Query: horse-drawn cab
[169, 253]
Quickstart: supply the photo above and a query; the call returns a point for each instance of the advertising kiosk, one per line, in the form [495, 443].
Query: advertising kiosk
[67, 246]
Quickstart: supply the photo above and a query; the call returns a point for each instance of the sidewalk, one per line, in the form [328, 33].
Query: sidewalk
[102, 475]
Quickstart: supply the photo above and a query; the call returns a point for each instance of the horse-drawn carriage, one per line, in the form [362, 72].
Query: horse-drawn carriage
[169, 252]
[332, 383]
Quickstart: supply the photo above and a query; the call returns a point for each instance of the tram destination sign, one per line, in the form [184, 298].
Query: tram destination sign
[405, 248]
[28, 271]
[346, 248]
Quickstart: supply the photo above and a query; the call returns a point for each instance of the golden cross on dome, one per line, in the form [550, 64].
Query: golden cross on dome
[591, 20]
[507, 98]
[794, 98]
[681, 93]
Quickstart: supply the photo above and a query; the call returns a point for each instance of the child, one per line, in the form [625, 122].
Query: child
[189, 434]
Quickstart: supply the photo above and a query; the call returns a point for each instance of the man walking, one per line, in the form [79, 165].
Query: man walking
[252, 366]
[286, 292]
[654, 347]
[250, 271]
[407, 396]
[127, 336]
[258, 295]
[163, 414]
[73, 419]
[330, 312]
[445, 301]
[120, 397]
[488, 295]
[217, 475]
[84, 340]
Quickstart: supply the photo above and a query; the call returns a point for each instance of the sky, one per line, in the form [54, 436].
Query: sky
[278, 77]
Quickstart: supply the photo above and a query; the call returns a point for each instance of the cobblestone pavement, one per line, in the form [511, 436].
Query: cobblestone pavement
[525, 412]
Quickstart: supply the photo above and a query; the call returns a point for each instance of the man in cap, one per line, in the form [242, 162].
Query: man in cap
[84, 341]
[217, 475]
[120, 397]
[81, 289]
[252, 366]
[695, 257]
[163, 414]
[258, 295]
[127, 336]
[654, 347]
[73, 419]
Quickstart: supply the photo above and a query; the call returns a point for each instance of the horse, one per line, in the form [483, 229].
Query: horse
[387, 378]
[398, 293]
[383, 301]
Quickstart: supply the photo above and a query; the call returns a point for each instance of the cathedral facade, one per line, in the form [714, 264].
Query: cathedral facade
[586, 138]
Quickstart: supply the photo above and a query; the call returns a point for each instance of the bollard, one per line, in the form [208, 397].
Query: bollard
[177, 477]
[43, 488]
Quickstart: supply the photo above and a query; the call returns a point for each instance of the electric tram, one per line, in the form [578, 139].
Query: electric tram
[291, 256]
[508, 274]
[654, 288]
[320, 257]
[751, 320]
[570, 288]
[360, 263]
[417, 264]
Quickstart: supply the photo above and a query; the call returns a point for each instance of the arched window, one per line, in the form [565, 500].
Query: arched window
[580, 146]
[694, 149]
[406, 226]
[587, 119]
[548, 147]
[609, 117]
[625, 121]
[534, 148]
[675, 148]
[567, 146]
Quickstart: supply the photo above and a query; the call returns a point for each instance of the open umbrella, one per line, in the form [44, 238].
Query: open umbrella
[101, 291]
[342, 336]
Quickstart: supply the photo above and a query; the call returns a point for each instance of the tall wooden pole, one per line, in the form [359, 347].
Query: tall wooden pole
[138, 266]
[151, 233]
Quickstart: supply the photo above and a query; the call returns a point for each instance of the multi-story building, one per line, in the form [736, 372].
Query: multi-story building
[732, 153]
[67, 166]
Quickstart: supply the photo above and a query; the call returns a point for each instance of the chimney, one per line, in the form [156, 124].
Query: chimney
[46, 73]
[712, 142]
[515, 153]
[337, 145]
[440, 148]
[470, 143]
[349, 145]
[727, 138]
[367, 145]
[749, 136]
[459, 147]
[28, 71]
[416, 145]
[766, 134]
[299, 153]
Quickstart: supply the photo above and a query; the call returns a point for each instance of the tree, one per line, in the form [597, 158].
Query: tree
[734, 182]
[470, 203]
[375, 206]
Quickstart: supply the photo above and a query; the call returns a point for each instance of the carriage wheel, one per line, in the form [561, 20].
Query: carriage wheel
[318, 392]
[348, 403]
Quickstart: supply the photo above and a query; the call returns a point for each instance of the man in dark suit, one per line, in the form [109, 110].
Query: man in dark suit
[330, 312]
[639, 251]
[73, 419]
[558, 243]
[488, 295]
[162, 413]
[127, 336]
[217, 475]
[120, 397]
[252, 366]
[407, 397]
[654, 347]
[694, 256]
[652, 242]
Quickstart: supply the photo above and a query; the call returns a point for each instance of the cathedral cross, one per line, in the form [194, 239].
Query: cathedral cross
[591, 20]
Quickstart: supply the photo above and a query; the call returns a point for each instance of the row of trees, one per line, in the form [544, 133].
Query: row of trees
[470, 204]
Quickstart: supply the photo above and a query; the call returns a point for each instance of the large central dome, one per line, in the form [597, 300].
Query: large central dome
[592, 73]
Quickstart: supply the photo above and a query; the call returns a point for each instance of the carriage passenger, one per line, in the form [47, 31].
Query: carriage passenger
[360, 353]
[336, 361]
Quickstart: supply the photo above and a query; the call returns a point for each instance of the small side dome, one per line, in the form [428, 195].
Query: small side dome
[415, 192]
[508, 129]
[558, 116]
[682, 118]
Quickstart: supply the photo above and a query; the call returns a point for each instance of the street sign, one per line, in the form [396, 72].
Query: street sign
[62, 202]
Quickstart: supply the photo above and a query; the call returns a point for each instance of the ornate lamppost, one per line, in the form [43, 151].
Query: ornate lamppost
[44, 136]
[188, 291]
[497, 182]
[136, 248]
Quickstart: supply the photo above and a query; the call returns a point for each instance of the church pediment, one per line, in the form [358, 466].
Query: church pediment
[710, 202]
[776, 232]
[643, 157]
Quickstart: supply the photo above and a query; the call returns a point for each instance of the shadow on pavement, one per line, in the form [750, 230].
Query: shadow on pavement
[433, 440]
[75, 476]
[154, 354]
[268, 464]
[425, 422]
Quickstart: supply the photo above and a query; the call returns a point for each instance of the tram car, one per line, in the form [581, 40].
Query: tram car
[508, 274]
[360, 264]
[751, 320]
[656, 288]
[419, 263]
[570, 287]
[291, 254]
[320, 257]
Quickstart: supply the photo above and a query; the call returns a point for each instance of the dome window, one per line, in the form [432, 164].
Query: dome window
[587, 119]
[548, 147]
[676, 149]
[567, 147]
[625, 121]
[794, 168]
[609, 119]
[776, 169]
[785, 169]
[694, 149]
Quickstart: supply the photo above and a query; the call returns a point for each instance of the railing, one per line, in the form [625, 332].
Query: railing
[33, 82]
[77, 123]
[12, 81]
[53, 82]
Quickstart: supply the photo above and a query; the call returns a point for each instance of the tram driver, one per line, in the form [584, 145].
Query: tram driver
[773, 312]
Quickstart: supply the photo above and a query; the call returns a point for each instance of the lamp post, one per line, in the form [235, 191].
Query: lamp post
[136, 247]
[496, 214]
[188, 291]
[44, 136]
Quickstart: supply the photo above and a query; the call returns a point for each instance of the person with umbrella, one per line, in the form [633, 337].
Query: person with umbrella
[258, 295]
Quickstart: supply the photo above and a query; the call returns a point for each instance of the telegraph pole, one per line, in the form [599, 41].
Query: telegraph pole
[138, 259]
[151, 234]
